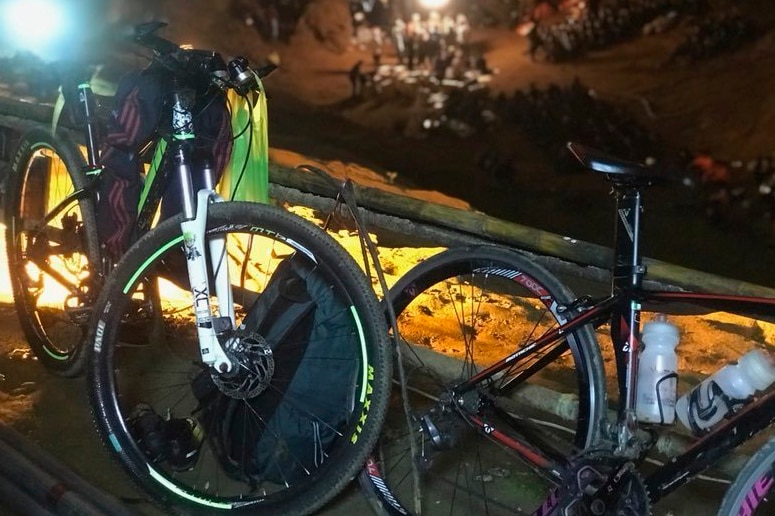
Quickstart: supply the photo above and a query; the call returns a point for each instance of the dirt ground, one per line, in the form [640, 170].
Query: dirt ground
[724, 105]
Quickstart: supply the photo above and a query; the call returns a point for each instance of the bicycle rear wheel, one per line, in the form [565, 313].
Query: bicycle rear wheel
[293, 423]
[458, 312]
[753, 491]
[51, 243]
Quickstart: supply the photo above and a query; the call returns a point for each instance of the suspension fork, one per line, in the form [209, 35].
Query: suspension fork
[210, 322]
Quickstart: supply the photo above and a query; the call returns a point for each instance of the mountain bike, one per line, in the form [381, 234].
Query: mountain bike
[503, 407]
[238, 357]
[54, 256]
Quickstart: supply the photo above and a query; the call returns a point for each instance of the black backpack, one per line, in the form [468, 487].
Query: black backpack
[284, 431]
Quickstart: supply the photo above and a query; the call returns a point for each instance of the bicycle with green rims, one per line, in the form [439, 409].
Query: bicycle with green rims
[51, 243]
[239, 359]
[54, 256]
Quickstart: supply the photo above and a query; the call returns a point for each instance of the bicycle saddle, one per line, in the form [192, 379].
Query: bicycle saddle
[618, 170]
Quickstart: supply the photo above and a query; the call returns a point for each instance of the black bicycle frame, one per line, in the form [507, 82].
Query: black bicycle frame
[622, 309]
[153, 193]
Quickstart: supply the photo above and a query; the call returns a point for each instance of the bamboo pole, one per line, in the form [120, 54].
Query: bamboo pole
[482, 227]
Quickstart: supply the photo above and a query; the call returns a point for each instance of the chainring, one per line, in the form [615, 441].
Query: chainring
[590, 489]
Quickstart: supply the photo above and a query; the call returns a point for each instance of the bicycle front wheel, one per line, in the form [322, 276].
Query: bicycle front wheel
[51, 242]
[293, 422]
[459, 312]
[753, 491]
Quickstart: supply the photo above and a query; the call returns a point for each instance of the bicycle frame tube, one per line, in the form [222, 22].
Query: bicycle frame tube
[153, 172]
[545, 458]
[595, 313]
[705, 452]
[752, 306]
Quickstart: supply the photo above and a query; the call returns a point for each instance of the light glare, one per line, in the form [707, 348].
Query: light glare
[434, 4]
[34, 25]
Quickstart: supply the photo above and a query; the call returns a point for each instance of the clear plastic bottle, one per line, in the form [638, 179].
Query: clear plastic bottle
[657, 372]
[727, 389]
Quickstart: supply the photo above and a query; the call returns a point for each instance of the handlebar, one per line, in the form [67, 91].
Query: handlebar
[145, 35]
[199, 64]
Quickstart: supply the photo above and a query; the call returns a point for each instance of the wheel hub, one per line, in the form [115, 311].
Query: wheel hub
[253, 369]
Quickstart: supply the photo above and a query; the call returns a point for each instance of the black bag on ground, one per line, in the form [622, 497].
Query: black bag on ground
[284, 431]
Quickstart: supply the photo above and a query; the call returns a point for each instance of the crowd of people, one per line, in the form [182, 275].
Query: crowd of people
[712, 36]
[733, 192]
[431, 42]
[432, 67]
[600, 26]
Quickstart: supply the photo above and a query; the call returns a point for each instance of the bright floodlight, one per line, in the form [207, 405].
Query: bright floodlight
[434, 4]
[33, 24]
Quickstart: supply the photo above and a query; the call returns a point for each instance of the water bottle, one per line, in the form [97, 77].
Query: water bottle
[657, 377]
[726, 390]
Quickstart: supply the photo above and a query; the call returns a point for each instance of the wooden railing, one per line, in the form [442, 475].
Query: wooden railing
[440, 224]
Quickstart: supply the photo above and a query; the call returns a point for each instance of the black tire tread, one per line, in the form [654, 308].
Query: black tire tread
[75, 163]
[328, 250]
[759, 463]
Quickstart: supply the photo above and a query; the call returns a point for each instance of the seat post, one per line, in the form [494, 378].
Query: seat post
[88, 111]
[627, 279]
[628, 269]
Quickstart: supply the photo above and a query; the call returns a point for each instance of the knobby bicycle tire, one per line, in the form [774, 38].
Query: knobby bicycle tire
[752, 491]
[146, 361]
[50, 263]
[457, 312]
